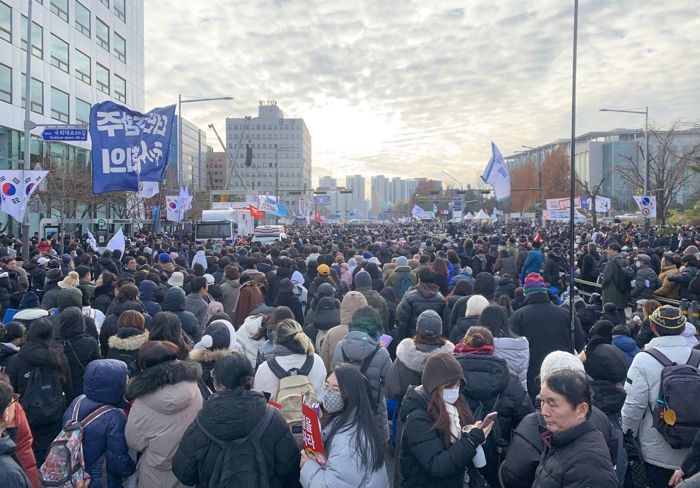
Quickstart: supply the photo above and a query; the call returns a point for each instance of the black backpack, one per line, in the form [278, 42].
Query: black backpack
[624, 278]
[675, 414]
[43, 399]
[241, 462]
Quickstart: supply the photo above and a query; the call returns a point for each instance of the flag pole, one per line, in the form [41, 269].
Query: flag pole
[572, 210]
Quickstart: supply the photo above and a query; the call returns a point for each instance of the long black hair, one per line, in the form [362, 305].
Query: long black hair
[358, 413]
[495, 319]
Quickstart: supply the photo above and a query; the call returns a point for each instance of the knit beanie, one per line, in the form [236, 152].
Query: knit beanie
[558, 360]
[534, 283]
[352, 302]
[429, 324]
[401, 261]
[325, 290]
[363, 280]
[606, 363]
[668, 319]
[164, 257]
[29, 300]
[441, 369]
[216, 336]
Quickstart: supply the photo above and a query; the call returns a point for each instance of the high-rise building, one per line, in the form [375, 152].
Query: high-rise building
[281, 153]
[327, 182]
[217, 170]
[380, 196]
[356, 205]
[84, 52]
[194, 157]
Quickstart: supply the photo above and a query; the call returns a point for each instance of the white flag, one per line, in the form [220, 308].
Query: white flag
[496, 174]
[16, 188]
[647, 205]
[148, 189]
[172, 208]
[92, 242]
[117, 241]
[418, 212]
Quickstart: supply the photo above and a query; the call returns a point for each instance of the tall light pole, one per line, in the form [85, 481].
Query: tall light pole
[539, 184]
[572, 189]
[645, 112]
[27, 128]
[180, 101]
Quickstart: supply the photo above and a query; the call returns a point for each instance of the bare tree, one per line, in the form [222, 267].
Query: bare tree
[592, 192]
[669, 168]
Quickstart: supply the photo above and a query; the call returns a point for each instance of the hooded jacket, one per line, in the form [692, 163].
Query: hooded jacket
[174, 302]
[613, 274]
[352, 302]
[668, 289]
[230, 416]
[109, 326]
[408, 366]
[166, 400]
[78, 347]
[125, 345]
[11, 472]
[377, 302]
[354, 349]
[424, 297]
[148, 293]
[516, 352]
[229, 295]
[21, 434]
[104, 385]
[103, 297]
[640, 290]
[244, 338]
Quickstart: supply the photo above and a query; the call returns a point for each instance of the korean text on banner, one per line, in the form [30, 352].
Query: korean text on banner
[128, 146]
[311, 429]
[496, 174]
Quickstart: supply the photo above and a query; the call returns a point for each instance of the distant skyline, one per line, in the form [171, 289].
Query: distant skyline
[408, 88]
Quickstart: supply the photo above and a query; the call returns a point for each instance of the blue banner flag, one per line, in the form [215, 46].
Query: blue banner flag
[128, 146]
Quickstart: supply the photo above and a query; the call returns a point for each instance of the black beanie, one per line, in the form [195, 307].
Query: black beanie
[606, 363]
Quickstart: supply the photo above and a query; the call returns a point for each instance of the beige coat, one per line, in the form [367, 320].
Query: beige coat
[668, 288]
[167, 401]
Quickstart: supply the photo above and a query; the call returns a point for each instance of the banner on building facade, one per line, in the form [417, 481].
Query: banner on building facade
[128, 146]
[322, 199]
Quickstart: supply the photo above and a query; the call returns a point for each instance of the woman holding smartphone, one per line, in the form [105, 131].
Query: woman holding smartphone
[441, 442]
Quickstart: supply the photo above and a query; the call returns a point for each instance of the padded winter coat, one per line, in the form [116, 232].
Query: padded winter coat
[166, 401]
[109, 326]
[408, 366]
[354, 349]
[105, 381]
[575, 457]
[230, 416]
[413, 304]
[516, 352]
[78, 347]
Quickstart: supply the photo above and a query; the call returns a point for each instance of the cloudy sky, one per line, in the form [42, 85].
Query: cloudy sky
[411, 88]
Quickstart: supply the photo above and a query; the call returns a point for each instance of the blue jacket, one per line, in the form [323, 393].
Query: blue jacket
[462, 275]
[627, 345]
[533, 262]
[105, 380]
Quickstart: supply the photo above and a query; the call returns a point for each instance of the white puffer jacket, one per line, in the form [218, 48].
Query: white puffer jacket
[642, 387]
[516, 352]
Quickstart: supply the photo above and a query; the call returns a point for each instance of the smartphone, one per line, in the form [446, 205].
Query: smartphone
[385, 340]
[488, 420]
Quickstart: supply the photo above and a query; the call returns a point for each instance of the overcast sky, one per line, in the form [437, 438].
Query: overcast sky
[410, 88]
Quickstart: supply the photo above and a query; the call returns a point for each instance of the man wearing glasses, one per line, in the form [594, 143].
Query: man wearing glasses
[11, 472]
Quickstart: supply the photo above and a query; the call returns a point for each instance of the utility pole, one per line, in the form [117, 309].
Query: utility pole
[27, 128]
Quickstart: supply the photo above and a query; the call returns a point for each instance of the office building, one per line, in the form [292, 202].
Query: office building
[603, 154]
[84, 52]
[217, 170]
[281, 154]
[194, 157]
[380, 198]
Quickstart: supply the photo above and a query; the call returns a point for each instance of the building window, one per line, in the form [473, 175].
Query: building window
[119, 88]
[120, 9]
[59, 53]
[37, 38]
[83, 66]
[120, 47]
[60, 8]
[5, 83]
[82, 18]
[102, 78]
[37, 88]
[82, 111]
[5, 22]
[59, 105]
[102, 34]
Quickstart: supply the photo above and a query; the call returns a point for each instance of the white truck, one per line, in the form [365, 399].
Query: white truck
[224, 225]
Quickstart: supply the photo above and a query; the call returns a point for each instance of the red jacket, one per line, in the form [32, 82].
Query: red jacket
[23, 439]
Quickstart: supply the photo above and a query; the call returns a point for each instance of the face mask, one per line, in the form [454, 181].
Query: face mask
[450, 395]
[638, 264]
[332, 402]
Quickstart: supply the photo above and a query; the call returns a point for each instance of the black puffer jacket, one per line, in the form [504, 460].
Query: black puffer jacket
[174, 302]
[78, 347]
[460, 329]
[523, 456]
[229, 416]
[491, 387]
[425, 461]
[608, 397]
[424, 297]
[109, 326]
[102, 298]
[6, 354]
[124, 346]
[575, 457]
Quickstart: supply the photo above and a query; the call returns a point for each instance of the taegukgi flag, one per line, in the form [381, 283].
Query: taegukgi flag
[496, 174]
[16, 188]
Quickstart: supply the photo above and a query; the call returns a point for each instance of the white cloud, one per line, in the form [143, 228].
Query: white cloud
[413, 87]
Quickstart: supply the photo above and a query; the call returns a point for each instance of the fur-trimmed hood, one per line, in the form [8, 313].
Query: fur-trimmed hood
[414, 358]
[160, 375]
[207, 356]
[128, 342]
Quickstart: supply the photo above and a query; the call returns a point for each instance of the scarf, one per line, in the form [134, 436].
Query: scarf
[462, 348]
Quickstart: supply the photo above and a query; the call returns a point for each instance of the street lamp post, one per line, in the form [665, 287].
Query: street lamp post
[180, 101]
[645, 112]
[277, 176]
[539, 183]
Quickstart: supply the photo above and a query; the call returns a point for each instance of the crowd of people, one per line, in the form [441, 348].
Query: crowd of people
[440, 355]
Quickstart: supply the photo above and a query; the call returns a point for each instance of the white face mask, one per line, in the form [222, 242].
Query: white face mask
[450, 395]
[639, 264]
